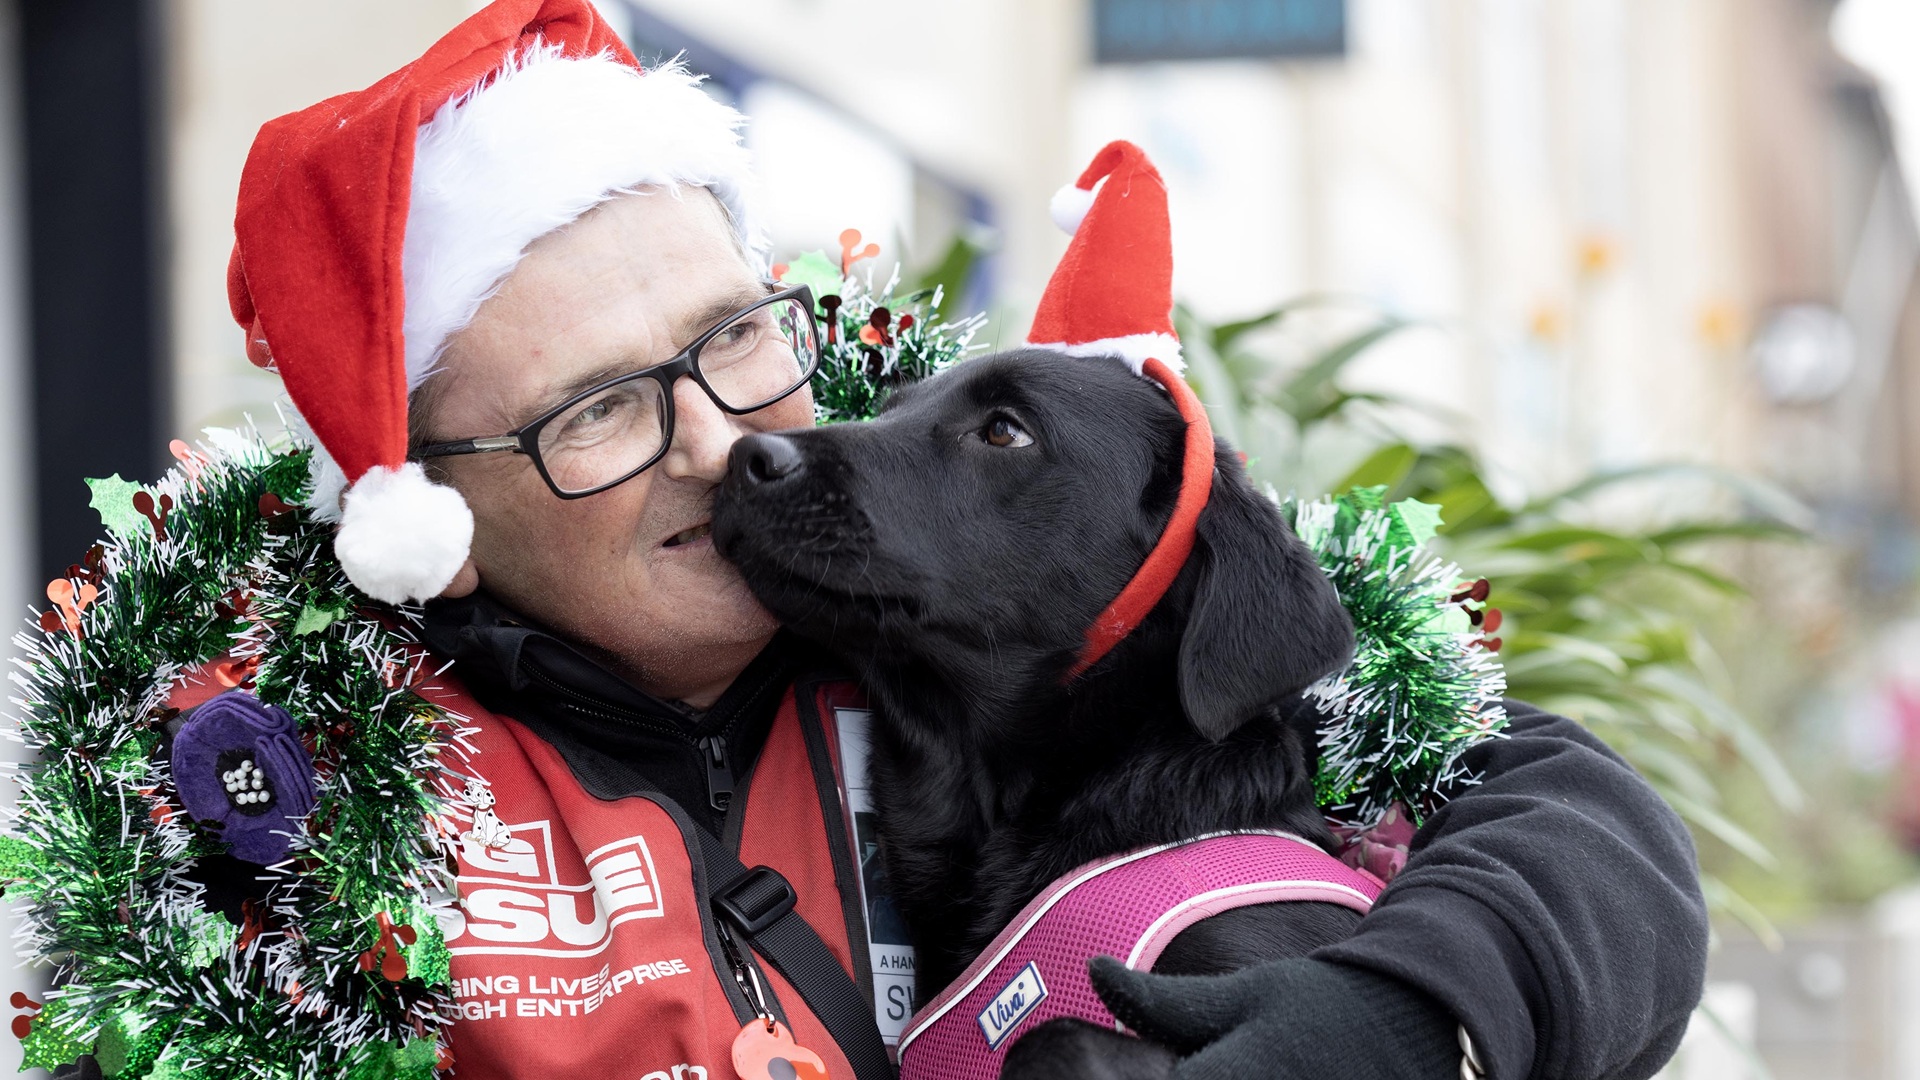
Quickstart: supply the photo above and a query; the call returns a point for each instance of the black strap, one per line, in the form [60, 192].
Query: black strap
[759, 905]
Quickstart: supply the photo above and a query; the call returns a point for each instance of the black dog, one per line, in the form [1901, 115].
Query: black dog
[954, 551]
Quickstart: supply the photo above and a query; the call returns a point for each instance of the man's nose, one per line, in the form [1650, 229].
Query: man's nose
[702, 435]
[764, 459]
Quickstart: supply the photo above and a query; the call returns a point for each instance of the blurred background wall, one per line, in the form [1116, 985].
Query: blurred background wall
[1645, 229]
[1622, 233]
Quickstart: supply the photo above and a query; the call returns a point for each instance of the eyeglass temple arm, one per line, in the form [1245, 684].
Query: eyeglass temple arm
[468, 446]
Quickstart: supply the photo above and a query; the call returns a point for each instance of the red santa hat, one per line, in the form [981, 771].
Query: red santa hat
[1112, 295]
[373, 225]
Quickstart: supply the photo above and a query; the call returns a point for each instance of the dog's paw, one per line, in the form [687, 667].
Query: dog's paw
[1076, 1050]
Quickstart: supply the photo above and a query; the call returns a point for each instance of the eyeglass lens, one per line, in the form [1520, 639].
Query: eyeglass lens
[759, 355]
[752, 360]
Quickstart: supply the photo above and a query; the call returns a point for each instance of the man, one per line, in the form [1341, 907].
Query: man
[522, 263]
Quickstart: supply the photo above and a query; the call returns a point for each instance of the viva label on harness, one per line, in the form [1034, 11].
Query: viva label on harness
[1015, 1002]
[1131, 907]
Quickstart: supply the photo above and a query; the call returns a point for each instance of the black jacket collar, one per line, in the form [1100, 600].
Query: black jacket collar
[617, 738]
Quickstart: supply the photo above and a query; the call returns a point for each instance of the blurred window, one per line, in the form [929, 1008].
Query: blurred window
[822, 169]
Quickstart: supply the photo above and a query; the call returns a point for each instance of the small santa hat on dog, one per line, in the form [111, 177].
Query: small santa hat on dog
[372, 226]
[1112, 295]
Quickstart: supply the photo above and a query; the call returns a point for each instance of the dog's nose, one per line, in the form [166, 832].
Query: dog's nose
[765, 459]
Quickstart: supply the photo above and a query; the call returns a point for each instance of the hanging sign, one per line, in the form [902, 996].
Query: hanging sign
[1130, 31]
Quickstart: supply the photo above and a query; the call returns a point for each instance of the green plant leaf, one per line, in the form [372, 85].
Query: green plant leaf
[1561, 537]
[1467, 505]
[1722, 897]
[1591, 652]
[1714, 580]
[1226, 335]
[1388, 465]
[952, 272]
[1667, 769]
[1717, 825]
[1768, 499]
[1307, 392]
[1751, 747]
[1698, 531]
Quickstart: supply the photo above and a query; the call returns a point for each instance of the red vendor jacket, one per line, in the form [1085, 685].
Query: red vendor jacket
[588, 941]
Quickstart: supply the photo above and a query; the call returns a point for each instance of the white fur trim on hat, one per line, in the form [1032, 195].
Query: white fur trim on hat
[1135, 349]
[545, 141]
[1069, 207]
[402, 537]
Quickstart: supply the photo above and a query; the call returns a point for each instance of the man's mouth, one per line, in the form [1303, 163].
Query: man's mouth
[688, 536]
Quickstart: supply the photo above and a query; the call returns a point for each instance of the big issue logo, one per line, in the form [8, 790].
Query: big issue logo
[516, 904]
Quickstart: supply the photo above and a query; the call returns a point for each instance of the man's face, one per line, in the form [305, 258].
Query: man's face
[629, 572]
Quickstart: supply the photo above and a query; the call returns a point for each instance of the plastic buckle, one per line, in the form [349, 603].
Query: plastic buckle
[756, 899]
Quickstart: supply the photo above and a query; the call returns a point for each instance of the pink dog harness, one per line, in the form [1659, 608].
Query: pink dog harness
[1130, 907]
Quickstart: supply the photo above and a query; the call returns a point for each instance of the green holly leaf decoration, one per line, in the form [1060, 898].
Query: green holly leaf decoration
[113, 501]
[129, 1046]
[47, 1045]
[418, 1060]
[1414, 523]
[19, 860]
[213, 938]
[312, 619]
[388, 1061]
[816, 271]
[427, 958]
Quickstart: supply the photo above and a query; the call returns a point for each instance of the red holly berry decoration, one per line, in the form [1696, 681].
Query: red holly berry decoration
[386, 951]
[143, 502]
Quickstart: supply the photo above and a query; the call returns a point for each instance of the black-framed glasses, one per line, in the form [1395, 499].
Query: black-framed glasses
[613, 432]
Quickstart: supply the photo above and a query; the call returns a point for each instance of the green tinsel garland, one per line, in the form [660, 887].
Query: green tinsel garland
[1423, 686]
[217, 560]
[876, 339]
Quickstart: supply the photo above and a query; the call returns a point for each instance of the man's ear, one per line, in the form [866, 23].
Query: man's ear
[1265, 622]
[465, 580]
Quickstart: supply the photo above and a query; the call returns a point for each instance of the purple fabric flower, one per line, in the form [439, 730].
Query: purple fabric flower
[239, 767]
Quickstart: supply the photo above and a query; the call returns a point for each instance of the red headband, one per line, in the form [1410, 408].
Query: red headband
[1163, 564]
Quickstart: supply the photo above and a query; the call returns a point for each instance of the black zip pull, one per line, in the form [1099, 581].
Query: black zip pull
[719, 773]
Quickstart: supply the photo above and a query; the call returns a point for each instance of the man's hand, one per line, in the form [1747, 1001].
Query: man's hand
[1285, 1018]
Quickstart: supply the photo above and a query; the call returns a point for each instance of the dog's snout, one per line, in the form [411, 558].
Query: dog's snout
[765, 459]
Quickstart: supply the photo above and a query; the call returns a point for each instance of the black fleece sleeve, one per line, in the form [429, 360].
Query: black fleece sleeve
[1555, 910]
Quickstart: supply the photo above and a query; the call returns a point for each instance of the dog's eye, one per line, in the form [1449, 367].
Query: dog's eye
[1004, 433]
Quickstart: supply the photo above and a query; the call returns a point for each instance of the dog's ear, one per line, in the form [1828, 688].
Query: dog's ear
[1265, 622]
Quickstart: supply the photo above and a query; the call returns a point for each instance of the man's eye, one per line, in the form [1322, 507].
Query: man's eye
[592, 414]
[1006, 434]
[731, 342]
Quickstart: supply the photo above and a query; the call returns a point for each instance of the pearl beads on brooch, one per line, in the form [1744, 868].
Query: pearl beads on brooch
[246, 785]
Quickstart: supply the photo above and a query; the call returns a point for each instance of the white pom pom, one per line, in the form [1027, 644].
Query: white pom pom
[402, 537]
[1069, 207]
